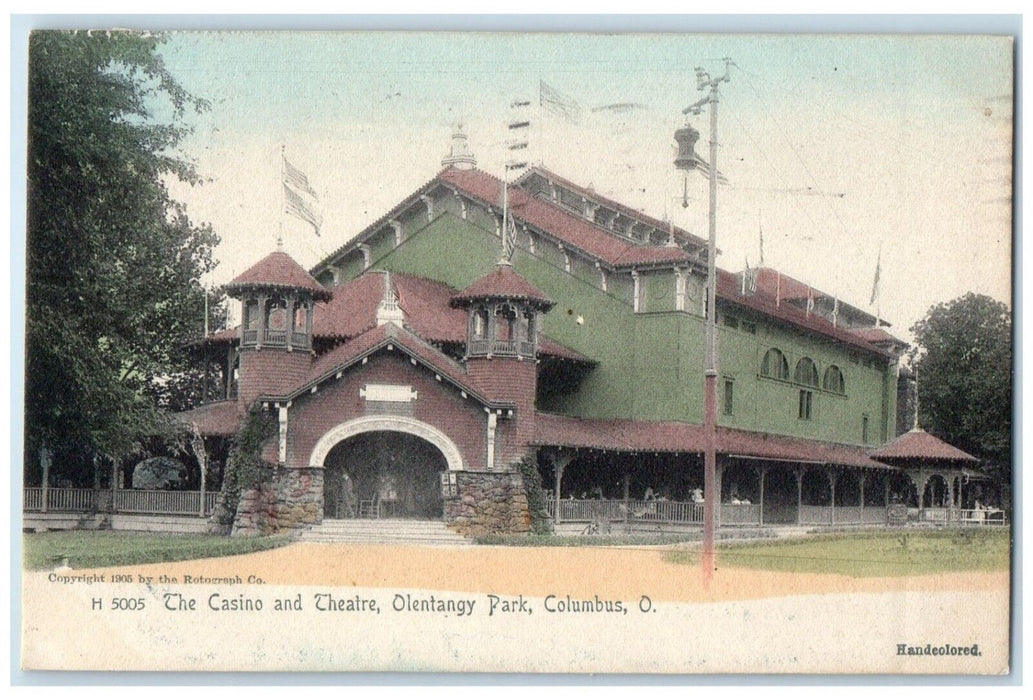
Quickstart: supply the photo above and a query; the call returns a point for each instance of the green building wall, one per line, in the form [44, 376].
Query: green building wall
[650, 363]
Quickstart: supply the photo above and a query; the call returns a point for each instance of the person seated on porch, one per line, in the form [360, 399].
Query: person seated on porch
[597, 493]
[649, 495]
[697, 495]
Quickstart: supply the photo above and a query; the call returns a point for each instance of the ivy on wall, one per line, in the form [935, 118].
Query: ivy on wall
[541, 523]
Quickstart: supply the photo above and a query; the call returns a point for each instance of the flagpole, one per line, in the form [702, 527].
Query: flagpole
[283, 195]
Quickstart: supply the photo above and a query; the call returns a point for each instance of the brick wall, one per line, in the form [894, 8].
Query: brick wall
[271, 371]
[438, 404]
[513, 380]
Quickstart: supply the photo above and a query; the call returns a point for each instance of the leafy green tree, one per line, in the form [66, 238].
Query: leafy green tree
[113, 262]
[964, 364]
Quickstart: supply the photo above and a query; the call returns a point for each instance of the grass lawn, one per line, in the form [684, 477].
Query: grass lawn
[871, 554]
[94, 549]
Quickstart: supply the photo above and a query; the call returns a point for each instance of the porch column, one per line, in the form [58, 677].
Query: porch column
[229, 371]
[763, 472]
[114, 485]
[799, 492]
[262, 299]
[720, 479]
[627, 496]
[860, 481]
[950, 499]
[44, 461]
[886, 490]
[833, 476]
[559, 463]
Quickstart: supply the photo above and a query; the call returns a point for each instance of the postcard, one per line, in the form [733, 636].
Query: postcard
[518, 352]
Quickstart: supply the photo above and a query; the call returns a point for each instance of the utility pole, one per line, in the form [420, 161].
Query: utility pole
[710, 495]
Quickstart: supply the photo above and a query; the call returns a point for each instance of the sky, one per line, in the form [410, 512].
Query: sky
[834, 147]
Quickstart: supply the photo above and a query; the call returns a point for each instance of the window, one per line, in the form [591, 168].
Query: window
[806, 396]
[749, 327]
[729, 395]
[864, 429]
[774, 365]
[806, 373]
[834, 380]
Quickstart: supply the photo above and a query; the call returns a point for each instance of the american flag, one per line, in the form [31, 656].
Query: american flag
[299, 199]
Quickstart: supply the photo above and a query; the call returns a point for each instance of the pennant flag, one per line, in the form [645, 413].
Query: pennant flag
[835, 313]
[878, 272]
[810, 301]
[704, 169]
[299, 199]
[559, 104]
[749, 279]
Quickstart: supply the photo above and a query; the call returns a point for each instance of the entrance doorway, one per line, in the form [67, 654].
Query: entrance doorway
[383, 474]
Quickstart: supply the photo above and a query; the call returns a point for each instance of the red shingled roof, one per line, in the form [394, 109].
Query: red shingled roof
[502, 283]
[876, 335]
[281, 271]
[572, 230]
[669, 436]
[918, 444]
[221, 418]
[390, 334]
[729, 287]
[615, 205]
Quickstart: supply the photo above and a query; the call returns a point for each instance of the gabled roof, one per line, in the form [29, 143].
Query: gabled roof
[502, 283]
[669, 436]
[877, 335]
[614, 204]
[222, 418]
[573, 231]
[391, 336]
[279, 271]
[918, 444]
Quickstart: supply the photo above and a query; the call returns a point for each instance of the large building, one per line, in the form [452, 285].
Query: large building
[411, 371]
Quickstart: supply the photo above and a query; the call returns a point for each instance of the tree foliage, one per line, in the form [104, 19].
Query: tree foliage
[964, 364]
[113, 262]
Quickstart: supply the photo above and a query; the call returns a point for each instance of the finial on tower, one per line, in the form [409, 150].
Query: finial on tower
[459, 155]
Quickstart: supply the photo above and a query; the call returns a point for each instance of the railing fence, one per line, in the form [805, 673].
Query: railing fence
[125, 501]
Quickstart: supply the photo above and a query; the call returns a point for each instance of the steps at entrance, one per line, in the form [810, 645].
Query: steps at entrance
[384, 531]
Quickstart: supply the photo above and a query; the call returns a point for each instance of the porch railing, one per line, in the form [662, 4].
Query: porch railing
[71, 500]
[740, 513]
[125, 501]
[815, 515]
[581, 510]
[982, 516]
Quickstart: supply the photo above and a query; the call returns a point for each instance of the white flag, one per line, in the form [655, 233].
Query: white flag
[556, 102]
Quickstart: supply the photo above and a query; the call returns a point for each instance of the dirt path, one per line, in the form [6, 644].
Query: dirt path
[539, 571]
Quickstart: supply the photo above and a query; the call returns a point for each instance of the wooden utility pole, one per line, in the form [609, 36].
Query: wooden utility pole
[710, 493]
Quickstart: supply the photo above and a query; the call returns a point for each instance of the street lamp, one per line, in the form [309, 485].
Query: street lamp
[688, 160]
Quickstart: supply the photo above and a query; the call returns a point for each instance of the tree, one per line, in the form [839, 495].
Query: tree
[964, 365]
[114, 264]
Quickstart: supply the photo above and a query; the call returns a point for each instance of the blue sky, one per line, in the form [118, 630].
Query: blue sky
[907, 140]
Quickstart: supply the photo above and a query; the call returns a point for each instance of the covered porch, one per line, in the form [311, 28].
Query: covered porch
[651, 473]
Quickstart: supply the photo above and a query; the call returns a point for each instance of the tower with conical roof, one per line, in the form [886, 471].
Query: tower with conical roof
[504, 313]
[278, 300]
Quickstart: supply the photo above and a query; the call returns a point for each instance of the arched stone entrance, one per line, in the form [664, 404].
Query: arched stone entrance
[384, 466]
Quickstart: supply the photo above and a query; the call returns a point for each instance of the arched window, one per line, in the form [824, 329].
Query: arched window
[774, 365]
[277, 317]
[806, 373]
[505, 322]
[834, 380]
[480, 323]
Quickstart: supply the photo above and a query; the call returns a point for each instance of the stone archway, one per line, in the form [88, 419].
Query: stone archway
[383, 467]
[399, 424]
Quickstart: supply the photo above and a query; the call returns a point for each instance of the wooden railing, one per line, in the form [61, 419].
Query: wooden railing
[982, 516]
[73, 500]
[815, 515]
[581, 510]
[128, 501]
[740, 513]
[873, 515]
[250, 337]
